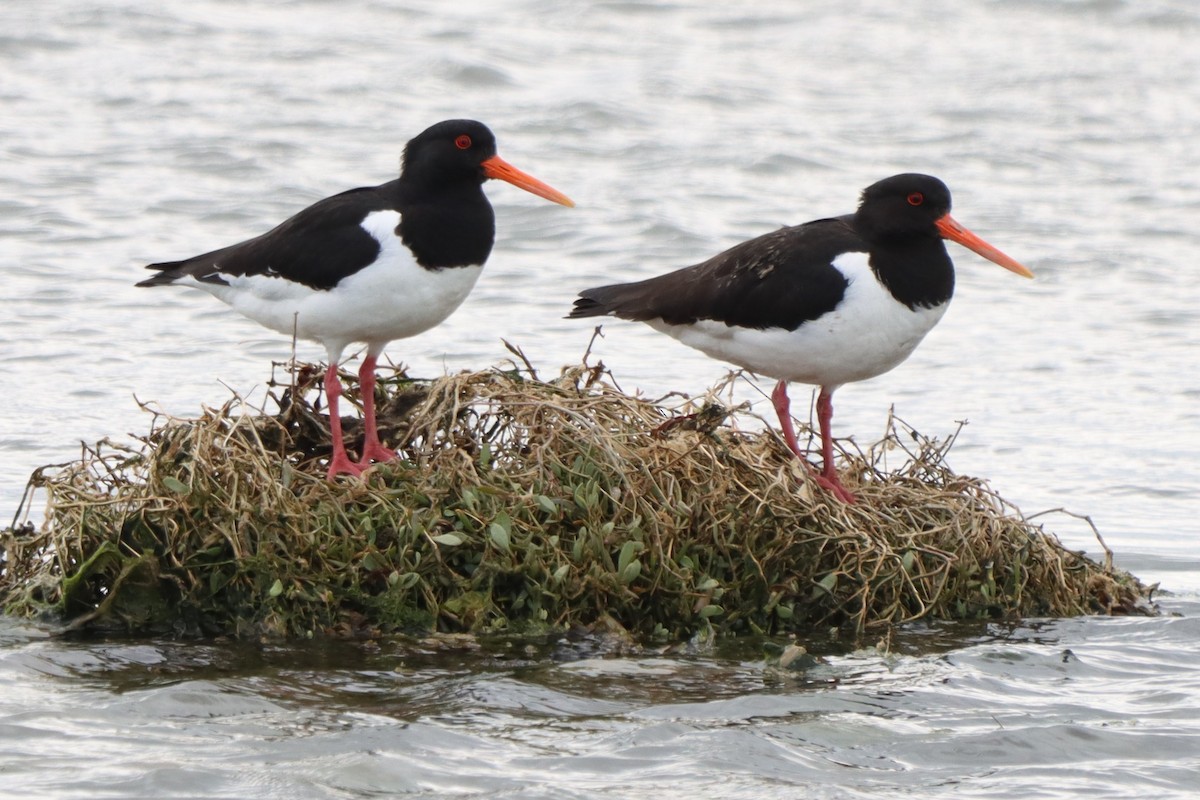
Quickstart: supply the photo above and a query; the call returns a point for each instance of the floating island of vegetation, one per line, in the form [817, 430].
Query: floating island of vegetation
[523, 505]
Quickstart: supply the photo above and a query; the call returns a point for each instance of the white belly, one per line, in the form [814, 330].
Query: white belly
[868, 334]
[393, 298]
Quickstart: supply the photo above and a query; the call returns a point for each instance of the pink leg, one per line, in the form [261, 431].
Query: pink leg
[372, 449]
[783, 407]
[827, 478]
[339, 462]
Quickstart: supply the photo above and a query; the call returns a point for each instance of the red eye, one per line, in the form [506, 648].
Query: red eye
[462, 142]
[916, 198]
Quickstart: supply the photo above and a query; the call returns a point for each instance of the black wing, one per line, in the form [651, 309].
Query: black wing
[317, 247]
[779, 280]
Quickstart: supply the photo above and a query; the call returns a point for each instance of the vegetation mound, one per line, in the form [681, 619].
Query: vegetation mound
[522, 505]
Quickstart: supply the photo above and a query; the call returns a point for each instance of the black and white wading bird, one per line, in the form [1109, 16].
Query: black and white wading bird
[369, 265]
[826, 303]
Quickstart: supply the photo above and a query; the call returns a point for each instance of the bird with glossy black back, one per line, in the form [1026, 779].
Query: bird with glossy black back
[828, 302]
[369, 265]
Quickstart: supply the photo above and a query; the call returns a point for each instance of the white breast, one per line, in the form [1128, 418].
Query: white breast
[867, 334]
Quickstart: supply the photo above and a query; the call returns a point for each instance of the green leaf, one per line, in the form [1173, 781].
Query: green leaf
[577, 547]
[629, 551]
[276, 588]
[499, 536]
[546, 504]
[217, 581]
[829, 582]
[711, 611]
[449, 539]
[587, 495]
[177, 486]
[560, 573]
[630, 572]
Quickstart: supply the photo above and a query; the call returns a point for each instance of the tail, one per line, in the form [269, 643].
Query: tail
[587, 305]
[633, 301]
[203, 268]
[168, 273]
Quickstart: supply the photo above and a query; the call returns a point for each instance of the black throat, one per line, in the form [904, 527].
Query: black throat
[447, 226]
[917, 271]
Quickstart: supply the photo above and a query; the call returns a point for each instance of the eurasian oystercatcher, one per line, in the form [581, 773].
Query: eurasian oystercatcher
[369, 265]
[826, 303]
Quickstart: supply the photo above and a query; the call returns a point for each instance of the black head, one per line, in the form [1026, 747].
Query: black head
[905, 211]
[450, 151]
[462, 153]
[902, 206]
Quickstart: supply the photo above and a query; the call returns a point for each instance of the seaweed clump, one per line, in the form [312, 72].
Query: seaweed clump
[523, 505]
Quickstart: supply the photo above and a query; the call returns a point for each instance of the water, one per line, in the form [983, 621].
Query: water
[1050, 709]
[1067, 132]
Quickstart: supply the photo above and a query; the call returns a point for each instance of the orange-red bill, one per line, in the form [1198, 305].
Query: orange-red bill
[957, 233]
[497, 167]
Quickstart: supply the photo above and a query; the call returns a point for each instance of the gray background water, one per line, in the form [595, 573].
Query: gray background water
[1068, 132]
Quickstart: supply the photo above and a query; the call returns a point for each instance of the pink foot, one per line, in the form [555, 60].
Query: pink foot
[834, 487]
[375, 452]
[340, 464]
[828, 479]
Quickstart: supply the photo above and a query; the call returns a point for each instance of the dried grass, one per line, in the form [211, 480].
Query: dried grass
[523, 505]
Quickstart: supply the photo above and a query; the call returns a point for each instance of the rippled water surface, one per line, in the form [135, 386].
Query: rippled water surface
[1067, 130]
[1051, 709]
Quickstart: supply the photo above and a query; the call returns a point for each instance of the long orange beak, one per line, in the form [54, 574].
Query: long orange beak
[957, 233]
[497, 167]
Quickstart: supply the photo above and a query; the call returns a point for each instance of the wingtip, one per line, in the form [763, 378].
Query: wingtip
[161, 278]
